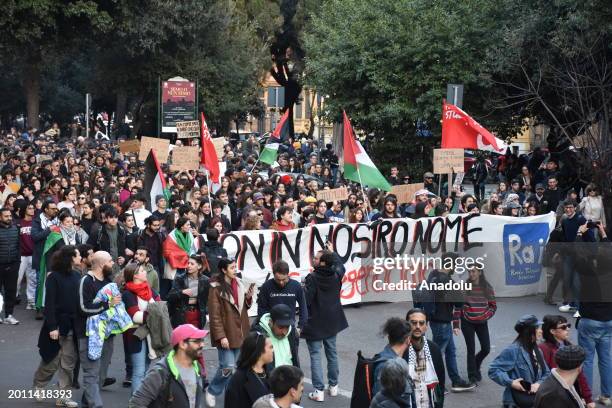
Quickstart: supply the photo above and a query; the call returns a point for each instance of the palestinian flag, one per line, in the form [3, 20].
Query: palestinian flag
[154, 181]
[177, 247]
[357, 164]
[283, 130]
[269, 153]
[52, 239]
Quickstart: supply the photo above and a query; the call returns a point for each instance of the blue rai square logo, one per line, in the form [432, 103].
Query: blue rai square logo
[523, 250]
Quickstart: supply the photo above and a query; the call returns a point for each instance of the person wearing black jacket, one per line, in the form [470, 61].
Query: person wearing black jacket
[56, 342]
[41, 228]
[213, 250]
[444, 321]
[281, 289]
[110, 237]
[152, 238]
[188, 297]
[279, 326]
[250, 380]
[325, 319]
[10, 259]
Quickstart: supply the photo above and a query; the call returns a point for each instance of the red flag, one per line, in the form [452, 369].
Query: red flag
[461, 131]
[209, 158]
[350, 147]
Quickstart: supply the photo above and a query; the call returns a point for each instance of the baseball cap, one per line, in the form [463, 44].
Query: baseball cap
[186, 331]
[258, 196]
[310, 200]
[540, 186]
[281, 315]
[570, 357]
[527, 320]
[422, 191]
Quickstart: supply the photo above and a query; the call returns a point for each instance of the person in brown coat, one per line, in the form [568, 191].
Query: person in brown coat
[228, 304]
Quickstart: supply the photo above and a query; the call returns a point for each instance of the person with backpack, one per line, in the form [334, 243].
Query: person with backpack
[175, 380]
[479, 307]
[425, 364]
[397, 331]
[443, 310]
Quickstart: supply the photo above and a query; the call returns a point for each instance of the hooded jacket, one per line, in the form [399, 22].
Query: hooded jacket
[325, 314]
[262, 325]
[214, 252]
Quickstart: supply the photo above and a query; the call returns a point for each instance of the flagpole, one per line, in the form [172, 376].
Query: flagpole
[209, 190]
[253, 168]
[365, 198]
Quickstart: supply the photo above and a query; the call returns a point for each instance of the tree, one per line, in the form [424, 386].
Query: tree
[33, 33]
[388, 65]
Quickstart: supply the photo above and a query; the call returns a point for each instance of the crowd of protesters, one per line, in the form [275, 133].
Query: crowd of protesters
[77, 231]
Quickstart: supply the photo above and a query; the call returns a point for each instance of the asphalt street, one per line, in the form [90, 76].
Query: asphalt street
[19, 354]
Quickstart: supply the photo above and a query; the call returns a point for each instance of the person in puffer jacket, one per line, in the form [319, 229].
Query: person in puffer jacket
[397, 391]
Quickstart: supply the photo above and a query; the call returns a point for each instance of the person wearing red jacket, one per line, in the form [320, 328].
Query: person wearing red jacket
[284, 220]
[555, 331]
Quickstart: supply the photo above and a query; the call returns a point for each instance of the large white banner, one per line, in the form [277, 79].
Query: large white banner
[511, 248]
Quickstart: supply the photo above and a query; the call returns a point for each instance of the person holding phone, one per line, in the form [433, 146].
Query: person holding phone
[228, 303]
[188, 297]
[521, 367]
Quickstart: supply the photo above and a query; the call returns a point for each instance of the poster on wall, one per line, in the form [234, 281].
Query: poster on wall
[178, 103]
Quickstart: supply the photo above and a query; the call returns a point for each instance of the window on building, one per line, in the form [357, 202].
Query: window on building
[276, 97]
[307, 103]
[299, 105]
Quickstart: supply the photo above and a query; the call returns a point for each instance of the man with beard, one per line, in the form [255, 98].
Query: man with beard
[10, 260]
[175, 380]
[426, 367]
[94, 371]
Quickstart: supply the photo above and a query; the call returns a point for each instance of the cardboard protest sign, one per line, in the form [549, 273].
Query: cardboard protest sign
[129, 146]
[189, 129]
[447, 161]
[185, 158]
[219, 142]
[336, 194]
[161, 147]
[405, 192]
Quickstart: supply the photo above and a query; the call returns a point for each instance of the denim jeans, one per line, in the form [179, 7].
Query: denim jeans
[314, 348]
[572, 280]
[595, 336]
[443, 337]
[227, 365]
[140, 363]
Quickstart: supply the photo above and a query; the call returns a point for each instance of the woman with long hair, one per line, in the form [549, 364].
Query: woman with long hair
[357, 215]
[177, 248]
[228, 304]
[137, 296]
[479, 306]
[555, 331]
[520, 367]
[250, 381]
[188, 298]
[56, 340]
[591, 206]
[502, 191]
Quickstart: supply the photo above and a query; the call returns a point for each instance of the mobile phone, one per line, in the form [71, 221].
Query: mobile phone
[526, 385]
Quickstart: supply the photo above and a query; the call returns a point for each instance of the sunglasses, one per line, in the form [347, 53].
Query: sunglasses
[565, 326]
[418, 322]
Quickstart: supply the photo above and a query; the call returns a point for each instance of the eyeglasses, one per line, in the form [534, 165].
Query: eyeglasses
[82, 198]
[418, 322]
[564, 326]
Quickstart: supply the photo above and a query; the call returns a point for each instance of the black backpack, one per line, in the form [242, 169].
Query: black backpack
[363, 383]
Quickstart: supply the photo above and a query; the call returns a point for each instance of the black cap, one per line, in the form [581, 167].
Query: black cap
[528, 320]
[570, 357]
[281, 315]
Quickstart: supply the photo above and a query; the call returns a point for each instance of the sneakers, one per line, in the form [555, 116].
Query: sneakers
[605, 401]
[30, 306]
[109, 381]
[10, 320]
[127, 383]
[567, 308]
[462, 386]
[317, 395]
[211, 400]
[577, 314]
[66, 402]
[333, 390]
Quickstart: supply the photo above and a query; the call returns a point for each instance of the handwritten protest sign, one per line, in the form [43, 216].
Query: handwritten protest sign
[160, 146]
[185, 158]
[336, 194]
[447, 160]
[219, 142]
[189, 129]
[129, 146]
[405, 192]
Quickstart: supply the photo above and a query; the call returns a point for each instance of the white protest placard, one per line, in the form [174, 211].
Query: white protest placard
[189, 129]
[336, 194]
[447, 161]
[405, 192]
[160, 146]
[185, 158]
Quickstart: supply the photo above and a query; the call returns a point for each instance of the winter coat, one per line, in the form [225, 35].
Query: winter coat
[228, 319]
[244, 388]
[39, 236]
[214, 252]
[553, 394]
[582, 386]
[9, 244]
[291, 338]
[162, 387]
[325, 314]
[178, 303]
[100, 240]
[133, 345]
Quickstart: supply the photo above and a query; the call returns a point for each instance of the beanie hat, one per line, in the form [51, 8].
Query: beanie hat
[570, 357]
